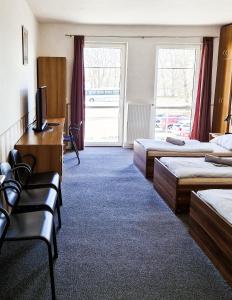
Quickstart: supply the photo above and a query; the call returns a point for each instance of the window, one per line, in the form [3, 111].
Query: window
[176, 68]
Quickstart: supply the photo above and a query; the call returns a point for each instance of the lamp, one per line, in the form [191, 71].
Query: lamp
[228, 120]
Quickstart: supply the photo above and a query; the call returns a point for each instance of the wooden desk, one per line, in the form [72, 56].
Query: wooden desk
[46, 146]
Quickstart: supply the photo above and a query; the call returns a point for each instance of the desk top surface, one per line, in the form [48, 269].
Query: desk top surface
[52, 136]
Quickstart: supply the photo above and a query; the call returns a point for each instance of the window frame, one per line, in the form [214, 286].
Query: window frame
[123, 47]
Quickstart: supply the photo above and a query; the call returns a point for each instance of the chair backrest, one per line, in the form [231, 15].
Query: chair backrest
[5, 169]
[11, 194]
[4, 223]
[74, 131]
[15, 158]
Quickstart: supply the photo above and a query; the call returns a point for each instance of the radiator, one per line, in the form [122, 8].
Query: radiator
[139, 118]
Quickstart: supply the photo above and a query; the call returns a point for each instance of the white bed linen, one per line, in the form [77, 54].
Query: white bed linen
[220, 149]
[224, 141]
[192, 167]
[190, 146]
[220, 200]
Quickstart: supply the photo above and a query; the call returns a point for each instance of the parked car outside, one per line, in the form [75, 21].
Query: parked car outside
[163, 121]
[182, 128]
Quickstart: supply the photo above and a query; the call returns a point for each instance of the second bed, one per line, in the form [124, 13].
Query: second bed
[146, 150]
[175, 177]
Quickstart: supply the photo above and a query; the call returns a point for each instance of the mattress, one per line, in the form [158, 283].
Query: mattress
[159, 148]
[192, 167]
[220, 200]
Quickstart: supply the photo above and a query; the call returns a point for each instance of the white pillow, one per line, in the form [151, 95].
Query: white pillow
[224, 141]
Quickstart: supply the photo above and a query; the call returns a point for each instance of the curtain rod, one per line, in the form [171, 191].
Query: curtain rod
[139, 36]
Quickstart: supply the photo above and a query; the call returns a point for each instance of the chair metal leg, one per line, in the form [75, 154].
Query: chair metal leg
[79, 161]
[54, 242]
[58, 215]
[60, 195]
[51, 271]
[77, 152]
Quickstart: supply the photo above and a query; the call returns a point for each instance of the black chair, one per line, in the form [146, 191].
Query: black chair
[74, 132]
[33, 198]
[4, 224]
[37, 225]
[28, 178]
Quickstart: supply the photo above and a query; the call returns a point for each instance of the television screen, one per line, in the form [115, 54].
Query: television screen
[41, 108]
[43, 92]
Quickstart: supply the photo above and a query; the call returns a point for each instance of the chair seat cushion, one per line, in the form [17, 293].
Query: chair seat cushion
[28, 225]
[49, 178]
[38, 198]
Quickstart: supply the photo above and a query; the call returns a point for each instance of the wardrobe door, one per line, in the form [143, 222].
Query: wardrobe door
[61, 86]
[222, 101]
[52, 73]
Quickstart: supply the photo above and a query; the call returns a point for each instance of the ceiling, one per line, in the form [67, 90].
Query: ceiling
[134, 12]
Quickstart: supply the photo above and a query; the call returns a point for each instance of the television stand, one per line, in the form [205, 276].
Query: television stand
[46, 146]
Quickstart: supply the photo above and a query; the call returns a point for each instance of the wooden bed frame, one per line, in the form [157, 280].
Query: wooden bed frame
[177, 191]
[142, 161]
[145, 162]
[213, 233]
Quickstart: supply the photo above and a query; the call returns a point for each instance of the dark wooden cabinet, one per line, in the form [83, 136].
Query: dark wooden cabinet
[222, 101]
[52, 73]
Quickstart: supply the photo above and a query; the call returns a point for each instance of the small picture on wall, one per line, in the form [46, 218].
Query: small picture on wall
[25, 45]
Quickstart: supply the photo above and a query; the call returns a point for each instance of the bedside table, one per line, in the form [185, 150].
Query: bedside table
[212, 135]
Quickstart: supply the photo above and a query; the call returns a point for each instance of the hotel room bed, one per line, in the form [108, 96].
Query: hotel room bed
[175, 178]
[211, 227]
[146, 150]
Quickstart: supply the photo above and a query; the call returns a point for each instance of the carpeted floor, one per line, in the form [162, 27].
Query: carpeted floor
[118, 241]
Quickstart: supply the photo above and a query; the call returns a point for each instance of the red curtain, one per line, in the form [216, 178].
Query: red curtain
[78, 89]
[201, 123]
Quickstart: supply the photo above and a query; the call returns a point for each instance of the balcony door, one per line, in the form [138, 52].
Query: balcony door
[104, 94]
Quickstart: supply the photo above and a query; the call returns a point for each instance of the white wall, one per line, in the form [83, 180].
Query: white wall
[17, 81]
[141, 52]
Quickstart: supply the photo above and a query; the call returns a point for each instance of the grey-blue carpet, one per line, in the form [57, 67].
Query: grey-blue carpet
[119, 240]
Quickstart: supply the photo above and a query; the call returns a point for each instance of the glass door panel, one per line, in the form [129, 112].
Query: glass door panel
[102, 125]
[103, 95]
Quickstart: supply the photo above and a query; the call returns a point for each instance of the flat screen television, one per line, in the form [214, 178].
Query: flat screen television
[41, 109]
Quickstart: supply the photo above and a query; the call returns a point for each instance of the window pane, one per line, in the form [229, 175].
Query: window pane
[174, 92]
[101, 125]
[176, 58]
[172, 122]
[102, 78]
[174, 87]
[102, 57]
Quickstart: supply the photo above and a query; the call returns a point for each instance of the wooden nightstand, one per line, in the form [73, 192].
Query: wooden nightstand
[212, 135]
